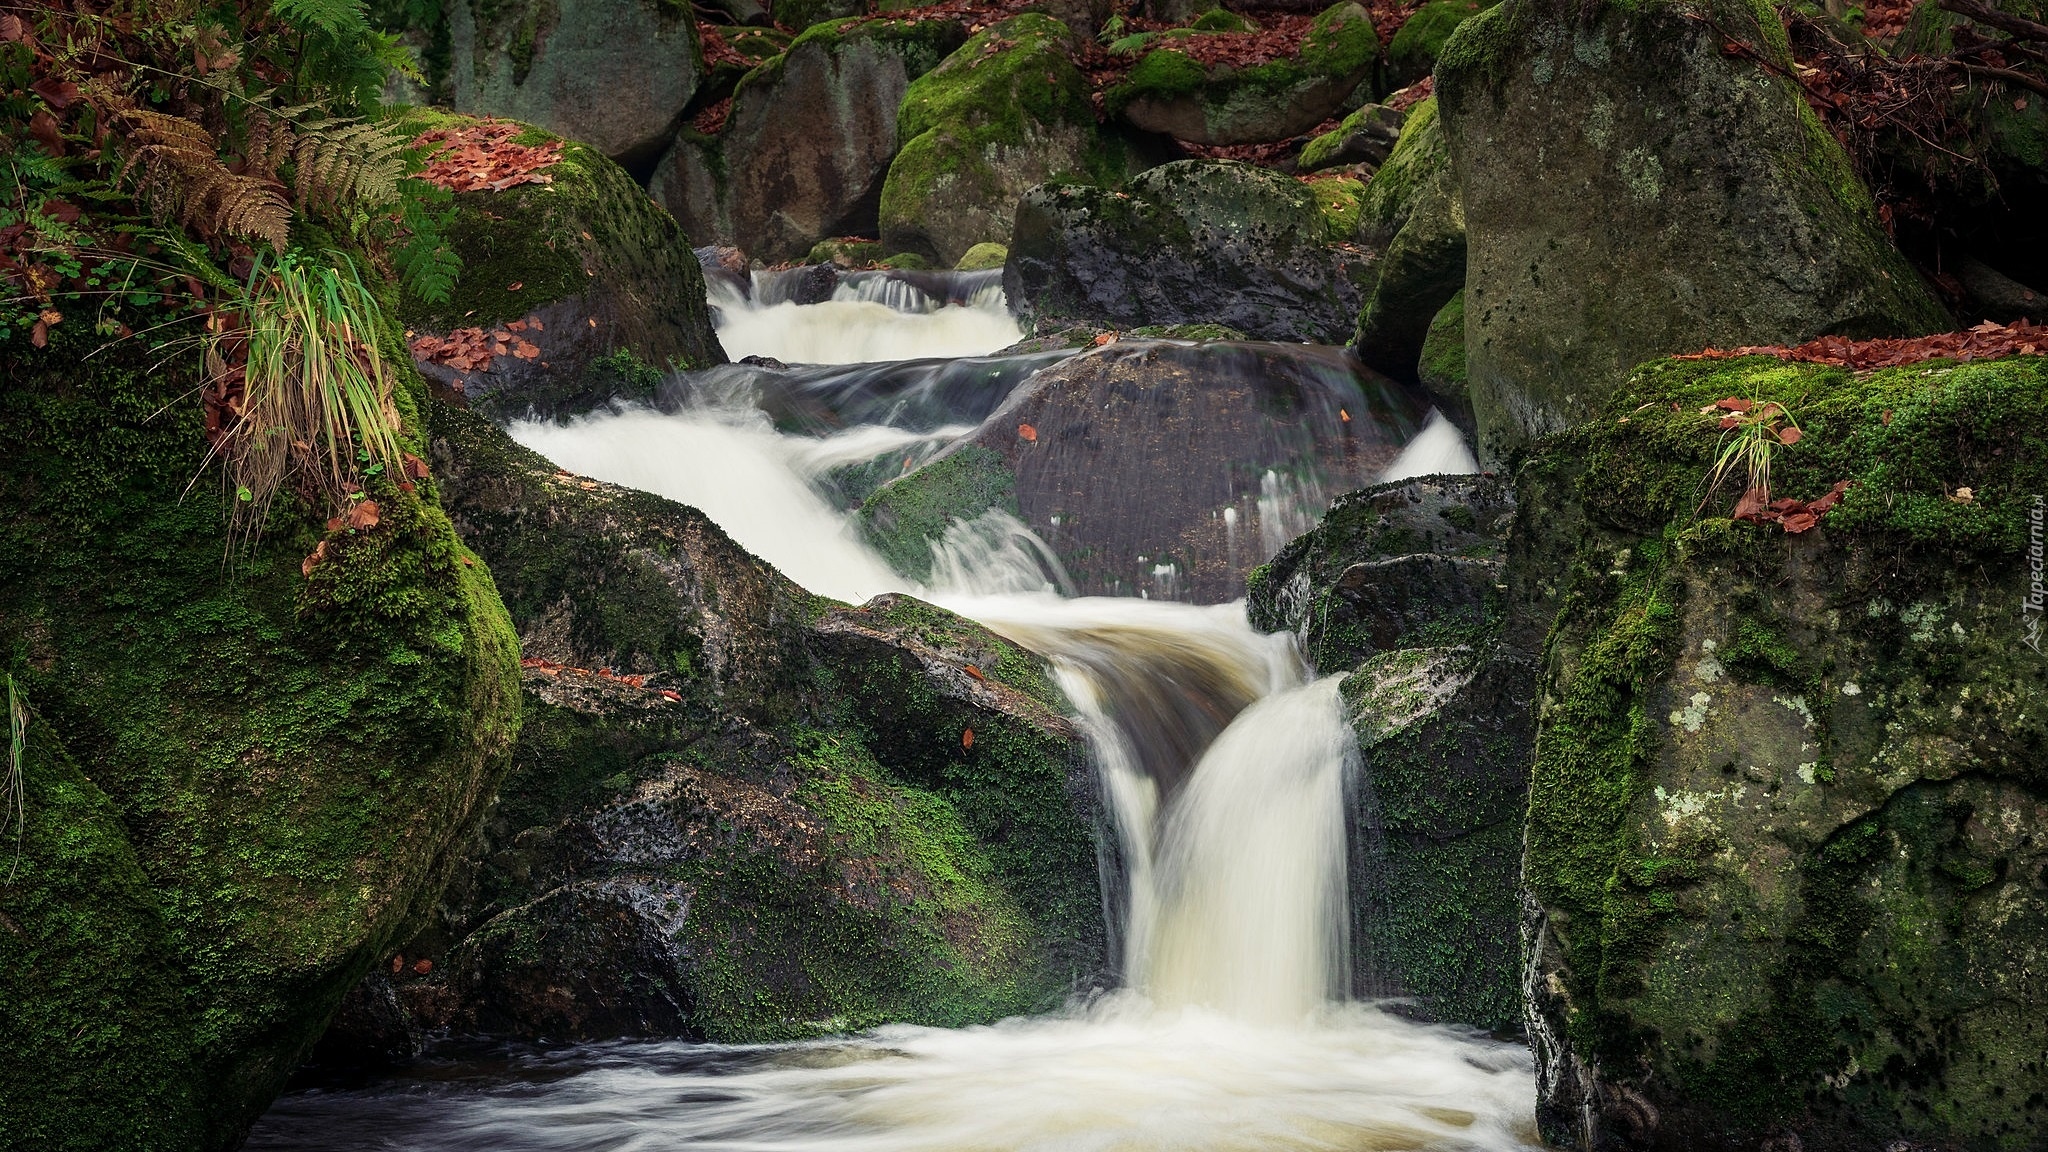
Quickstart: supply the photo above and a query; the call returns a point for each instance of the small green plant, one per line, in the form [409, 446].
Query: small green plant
[293, 357]
[1752, 431]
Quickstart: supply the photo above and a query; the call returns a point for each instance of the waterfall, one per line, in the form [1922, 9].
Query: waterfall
[1229, 774]
[862, 321]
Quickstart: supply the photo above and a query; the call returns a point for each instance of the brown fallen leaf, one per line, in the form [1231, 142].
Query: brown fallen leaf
[363, 514]
[313, 559]
[422, 967]
[1027, 432]
[967, 738]
[1789, 436]
[975, 672]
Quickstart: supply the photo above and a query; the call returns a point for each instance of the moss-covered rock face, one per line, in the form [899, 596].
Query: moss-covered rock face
[1785, 842]
[1412, 53]
[1399, 586]
[1632, 190]
[1413, 213]
[1441, 368]
[982, 257]
[741, 812]
[614, 74]
[812, 132]
[1252, 436]
[1170, 92]
[601, 280]
[1363, 141]
[241, 783]
[1191, 242]
[1005, 112]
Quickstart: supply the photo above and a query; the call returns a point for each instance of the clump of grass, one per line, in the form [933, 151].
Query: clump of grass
[1752, 431]
[14, 789]
[294, 358]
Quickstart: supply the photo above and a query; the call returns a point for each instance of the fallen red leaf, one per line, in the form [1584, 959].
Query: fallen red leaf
[967, 738]
[313, 559]
[1789, 436]
[422, 967]
[975, 672]
[1027, 432]
[363, 514]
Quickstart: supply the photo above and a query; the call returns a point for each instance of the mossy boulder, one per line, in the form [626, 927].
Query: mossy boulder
[740, 812]
[1251, 435]
[1413, 216]
[1788, 808]
[1005, 112]
[1171, 92]
[1363, 140]
[241, 782]
[1400, 587]
[614, 74]
[1441, 368]
[600, 279]
[1194, 241]
[982, 257]
[1412, 53]
[798, 15]
[812, 132]
[693, 181]
[1630, 189]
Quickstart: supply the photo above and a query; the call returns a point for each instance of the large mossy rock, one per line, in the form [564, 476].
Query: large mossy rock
[1362, 141]
[614, 74]
[1631, 190]
[1788, 820]
[1192, 242]
[601, 280]
[1400, 586]
[1441, 368]
[808, 143]
[1171, 92]
[241, 784]
[1155, 467]
[740, 812]
[1004, 113]
[1412, 214]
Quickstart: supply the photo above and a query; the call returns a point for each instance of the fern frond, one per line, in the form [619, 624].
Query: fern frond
[334, 17]
[341, 161]
[183, 178]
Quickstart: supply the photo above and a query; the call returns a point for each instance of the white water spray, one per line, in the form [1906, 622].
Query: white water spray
[853, 328]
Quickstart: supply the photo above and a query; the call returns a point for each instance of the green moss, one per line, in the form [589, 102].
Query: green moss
[1418, 155]
[289, 758]
[847, 253]
[906, 516]
[1183, 332]
[908, 262]
[1341, 200]
[1223, 20]
[1443, 350]
[1421, 38]
[985, 255]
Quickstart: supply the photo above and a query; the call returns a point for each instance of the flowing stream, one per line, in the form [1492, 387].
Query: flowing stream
[1225, 766]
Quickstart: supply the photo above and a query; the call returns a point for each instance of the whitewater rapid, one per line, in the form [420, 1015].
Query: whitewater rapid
[1224, 764]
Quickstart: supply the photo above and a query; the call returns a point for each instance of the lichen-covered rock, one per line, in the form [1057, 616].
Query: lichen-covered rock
[1441, 368]
[613, 74]
[1413, 215]
[741, 812]
[1400, 586]
[1252, 435]
[1363, 141]
[1412, 52]
[812, 132]
[1004, 113]
[1169, 91]
[241, 783]
[1190, 242]
[1788, 810]
[1630, 189]
[601, 281]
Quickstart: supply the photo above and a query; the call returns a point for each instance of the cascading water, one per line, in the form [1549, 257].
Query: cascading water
[1226, 769]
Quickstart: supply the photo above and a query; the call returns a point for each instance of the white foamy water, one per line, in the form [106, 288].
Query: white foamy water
[1225, 769]
[851, 329]
[1439, 449]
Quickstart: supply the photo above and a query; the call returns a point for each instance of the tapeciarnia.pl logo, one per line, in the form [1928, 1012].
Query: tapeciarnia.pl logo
[2036, 603]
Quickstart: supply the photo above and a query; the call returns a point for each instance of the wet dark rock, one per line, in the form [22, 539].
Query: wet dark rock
[738, 811]
[1630, 190]
[1250, 435]
[811, 134]
[615, 75]
[1192, 242]
[1401, 585]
